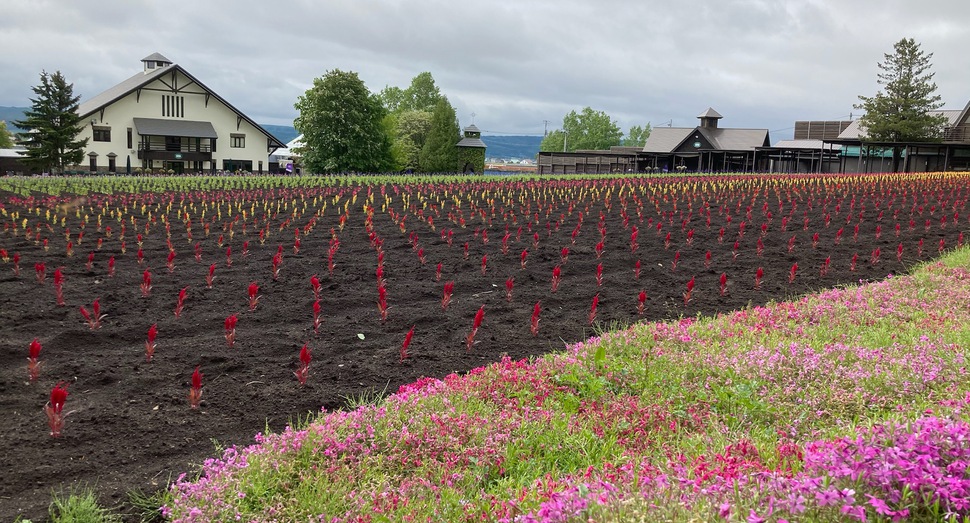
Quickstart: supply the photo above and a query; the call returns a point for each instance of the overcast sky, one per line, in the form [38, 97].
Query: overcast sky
[514, 63]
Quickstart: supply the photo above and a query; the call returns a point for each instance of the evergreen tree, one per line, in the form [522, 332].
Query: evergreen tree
[901, 111]
[52, 125]
[586, 130]
[342, 126]
[6, 139]
[439, 153]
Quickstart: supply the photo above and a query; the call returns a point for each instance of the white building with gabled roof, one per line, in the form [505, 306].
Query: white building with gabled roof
[165, 118]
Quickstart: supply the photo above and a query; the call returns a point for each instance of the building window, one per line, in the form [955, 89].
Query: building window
[173, 106]
[102, 134]
[237, 141]
[129, 137]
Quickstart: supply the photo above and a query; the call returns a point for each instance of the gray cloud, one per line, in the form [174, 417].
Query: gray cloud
[760, 63]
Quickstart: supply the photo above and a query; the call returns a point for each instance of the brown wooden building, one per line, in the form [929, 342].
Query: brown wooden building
[706, 147]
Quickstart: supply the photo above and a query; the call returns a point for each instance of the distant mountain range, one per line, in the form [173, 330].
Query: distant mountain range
[506, 147]
[10, 114]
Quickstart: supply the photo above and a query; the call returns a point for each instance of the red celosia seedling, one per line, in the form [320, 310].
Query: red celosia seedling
[599, 249]
[90, 264]
[564, 255]
[296, 245]
[534, 325]
[198, 252]
[792, 272]
[667, 241]
[303, 371]
[759, 249]
[69, 250]
[852, 263]
[111, 267]
[484, 263]
[180, 302]
[838, 236]
[633, 237]
[470, 339]
[16, 264]
[59, 286]
[94, 317]
[942, 246]
[855, 233]
[150, 342]
[33, 361]
[673, 265]
[407, 342]
[522, 258]
[824, 269]
[592, 309]
[138, 240]
[535, 240]
[210, 276]
[556, 277]
[421, 257]
[720, 235]
[146, 283]
[228, 256]
[317, 317]
[723, 284]
[277, 261]
[734, 249]
[195, 391]
[437, 271]
[220, 242]
[141, 256]
[707, 259]
[465, 250]
[599, 274]
[874, 257]
[253, 295]
[40, 270]
[230, 326]
[446, 295]
[509, 283]
[878, 231]
[315, 285]
[641, 302]
[55, 408]
[4, 256]
[245, 249]
[897, 230]
[505, 243]
[919, 248]
[690, 237]
[791, 244]
[690, 291]
[899, 252]
[815, 240]
[636, 270]
[382, 306]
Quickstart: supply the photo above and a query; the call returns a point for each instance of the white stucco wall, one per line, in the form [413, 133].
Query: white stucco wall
[120, 114]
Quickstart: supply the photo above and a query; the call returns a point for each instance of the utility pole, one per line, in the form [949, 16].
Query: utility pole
[545, 128]
[565, 135]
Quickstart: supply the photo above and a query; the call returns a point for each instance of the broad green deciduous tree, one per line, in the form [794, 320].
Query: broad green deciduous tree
[439, 153]
[586, 130]
[900, 112]
[409, 118]
[422, 95]
[52, 125]
[342, 126]
[6, 139]
[637, 136]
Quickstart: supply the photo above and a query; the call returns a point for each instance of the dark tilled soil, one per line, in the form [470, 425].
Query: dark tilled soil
[130, 427]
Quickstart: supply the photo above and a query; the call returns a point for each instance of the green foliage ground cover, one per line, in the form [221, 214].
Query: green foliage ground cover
[846, 404]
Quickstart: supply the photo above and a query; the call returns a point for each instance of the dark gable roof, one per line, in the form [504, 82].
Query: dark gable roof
[710, 113]
[162, 127]
[156, 57]
[669, 139]
[128, 86]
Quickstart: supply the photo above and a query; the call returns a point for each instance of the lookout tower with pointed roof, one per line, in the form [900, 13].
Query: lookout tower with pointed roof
[471, 151]
[709, 118]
